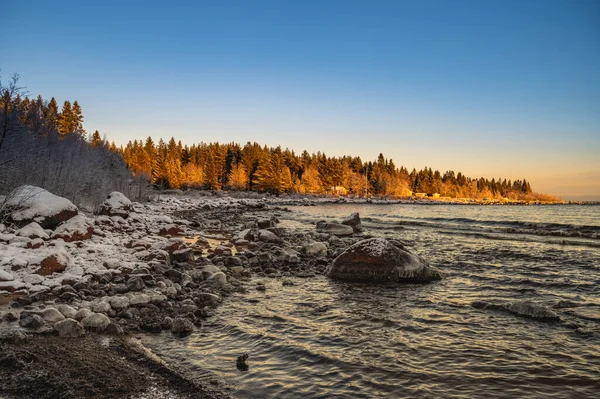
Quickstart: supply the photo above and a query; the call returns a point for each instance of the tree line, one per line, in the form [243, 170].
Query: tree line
[253, 167]
[47, 147]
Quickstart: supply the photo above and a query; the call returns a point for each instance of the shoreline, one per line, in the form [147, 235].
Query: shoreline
[309, 199]
[171, 261]
[162, 265]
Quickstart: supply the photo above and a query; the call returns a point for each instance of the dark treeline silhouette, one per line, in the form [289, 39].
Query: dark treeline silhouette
[47, 147]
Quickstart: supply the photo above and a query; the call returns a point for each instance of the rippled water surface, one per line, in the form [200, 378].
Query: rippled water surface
[325, 339]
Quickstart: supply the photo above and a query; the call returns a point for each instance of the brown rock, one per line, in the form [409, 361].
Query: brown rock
[52, 264]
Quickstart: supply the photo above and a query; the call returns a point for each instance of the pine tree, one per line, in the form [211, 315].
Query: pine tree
[238, 178]
[96, 140]
[52, 115]
[65, 121]
[77, 119]
[211, 178]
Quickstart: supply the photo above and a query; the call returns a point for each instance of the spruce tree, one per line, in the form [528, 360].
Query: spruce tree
[96, 140]
[65, 121]
[77, 119]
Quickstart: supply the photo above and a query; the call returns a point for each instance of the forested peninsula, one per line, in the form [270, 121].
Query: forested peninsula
[47, 145]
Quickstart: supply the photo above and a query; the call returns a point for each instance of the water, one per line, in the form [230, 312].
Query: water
[325, 339]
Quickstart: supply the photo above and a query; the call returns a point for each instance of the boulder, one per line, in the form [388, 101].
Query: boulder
[268, 236]
[35, 243]
[337, 229]
[69, 328]
[96, 322]
[183, 255]
[182, 326]
[11, 286]
[82, 314]
[353, 221]
[27, 204]
[33, 230]
[116, 204]
[264, 223]
[136, 283]
[77, 228]
[30, 320]
[118, 302]
[6, 276]
[377, 260]
[54, 263]
[315, 249]
[50, 315]
[245, 235]
[217, 280]
[222, 250]
[170, 229]
[68, 311]
[532, 310]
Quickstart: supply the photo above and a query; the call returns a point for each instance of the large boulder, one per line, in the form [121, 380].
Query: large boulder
[353, 221]
[116, 204]
[378, 260]
[336, 229]
[27, 204]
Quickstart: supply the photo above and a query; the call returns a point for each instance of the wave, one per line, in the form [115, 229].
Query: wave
[508, 226]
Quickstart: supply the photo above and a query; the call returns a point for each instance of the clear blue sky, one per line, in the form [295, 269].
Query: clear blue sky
[489, 88]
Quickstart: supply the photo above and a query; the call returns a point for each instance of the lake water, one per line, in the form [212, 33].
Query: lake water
[325, 339]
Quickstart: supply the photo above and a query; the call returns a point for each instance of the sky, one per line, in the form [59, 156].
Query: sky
[489, 88]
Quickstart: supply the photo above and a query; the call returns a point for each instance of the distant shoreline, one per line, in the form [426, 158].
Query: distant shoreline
[315, 199]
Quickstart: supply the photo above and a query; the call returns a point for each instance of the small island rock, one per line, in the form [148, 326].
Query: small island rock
[378, 260]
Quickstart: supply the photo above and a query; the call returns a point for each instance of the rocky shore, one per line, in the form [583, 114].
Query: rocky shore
[97, 280]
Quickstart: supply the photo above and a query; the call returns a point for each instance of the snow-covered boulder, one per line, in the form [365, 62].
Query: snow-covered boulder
[77, 228]
[27, 204]
[6, 276]
[378, 260]
[32, 230]
[116, 204]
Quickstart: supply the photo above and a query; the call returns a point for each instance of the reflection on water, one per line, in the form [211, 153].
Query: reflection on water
[326, 339]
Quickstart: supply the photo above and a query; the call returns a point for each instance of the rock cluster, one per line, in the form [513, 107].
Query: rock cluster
[164, 265]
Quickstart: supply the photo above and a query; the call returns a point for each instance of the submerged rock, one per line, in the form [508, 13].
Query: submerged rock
[377, 260]
[532, 310]
[337, 229]
[182, 326]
